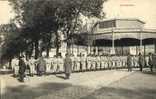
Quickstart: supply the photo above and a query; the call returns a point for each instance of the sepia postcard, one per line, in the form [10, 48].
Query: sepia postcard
[77, 49]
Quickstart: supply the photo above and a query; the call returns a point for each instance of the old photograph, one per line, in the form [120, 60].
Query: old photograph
[77, 49]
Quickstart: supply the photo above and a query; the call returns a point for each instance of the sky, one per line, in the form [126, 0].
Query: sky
[144, 10]
[6, 12]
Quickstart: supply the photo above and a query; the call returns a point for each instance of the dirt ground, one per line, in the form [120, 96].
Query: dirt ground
[110, 84]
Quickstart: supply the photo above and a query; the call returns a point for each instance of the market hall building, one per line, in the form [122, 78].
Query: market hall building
[122, 36]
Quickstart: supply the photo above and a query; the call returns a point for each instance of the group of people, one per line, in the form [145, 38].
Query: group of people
[142, 61]
[40, 66]
[30, 65]
[78, 63]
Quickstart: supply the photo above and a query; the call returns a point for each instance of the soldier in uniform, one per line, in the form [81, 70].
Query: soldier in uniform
[114, 61]
[135, 59]
[106, 62]
[88, 60]
[54, 64]
[103, 62]
[86, 63]
[120, 62]
[41, 66]
[31, 64]
[98, 61]
[129, 62]
[109, 60]
[93, 67]
[15, 66]
[91, 62]
[153, 60]
[141, 61]
[60, 63]
[78, 62]
[48, 64]
[74, 63]
[67, 66]
[150, 61]
[22, 69]
[82, 63]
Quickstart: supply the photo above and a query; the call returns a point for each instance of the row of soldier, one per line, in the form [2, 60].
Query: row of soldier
[80, 63]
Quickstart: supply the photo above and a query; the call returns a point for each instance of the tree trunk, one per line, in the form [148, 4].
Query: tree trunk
[31, 50]
[48, 45]
[36, 49]
[47, 52]
[57, 44]
[68, 46]
[10, 65]
[57, 50]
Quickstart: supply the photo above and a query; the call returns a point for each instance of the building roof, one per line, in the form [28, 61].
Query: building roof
[124, 19]
[115, 19]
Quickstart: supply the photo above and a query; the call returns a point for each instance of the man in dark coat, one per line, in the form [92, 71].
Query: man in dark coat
[41, 66]
[141, 61]
[150, 61]
[129, 62]
[68, 65]
[22, 68]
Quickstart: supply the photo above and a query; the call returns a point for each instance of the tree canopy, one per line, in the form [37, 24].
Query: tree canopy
[39, 19]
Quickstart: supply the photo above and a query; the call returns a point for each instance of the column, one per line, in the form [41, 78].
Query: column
[144, 49]
[113, 44]
[136, 50]
[154, 46]
[140, 48]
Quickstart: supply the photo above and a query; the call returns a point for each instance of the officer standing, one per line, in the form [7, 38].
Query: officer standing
[129, 62]
[67, 66]
[141, 61]
[150, 61]
[22, 69]
[41, 66]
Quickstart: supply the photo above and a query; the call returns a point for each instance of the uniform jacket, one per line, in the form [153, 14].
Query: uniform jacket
[22, 66]
[150, 60]
[141, 60]
[129, 61]
[41, 65]
[154, 60]
[68, 65]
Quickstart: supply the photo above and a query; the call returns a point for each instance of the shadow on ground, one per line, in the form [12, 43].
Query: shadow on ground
[68, 91]
[46, 91]
[25, 92]
[120, 93]
[60, 76]
[150, 73]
